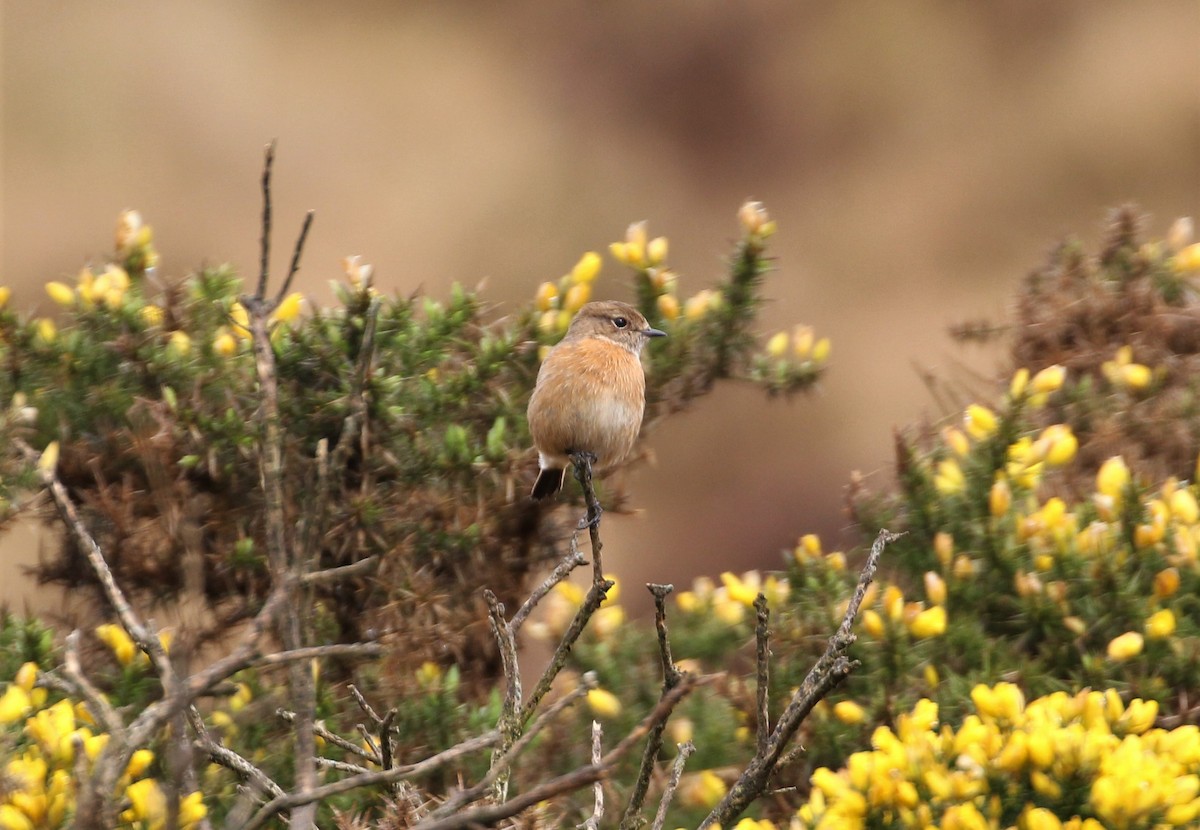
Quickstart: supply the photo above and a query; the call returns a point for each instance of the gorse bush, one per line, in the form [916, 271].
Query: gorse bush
[149, 390]
[146, 397]
[1029, 657]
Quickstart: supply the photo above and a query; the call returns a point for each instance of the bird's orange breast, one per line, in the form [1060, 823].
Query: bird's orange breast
[589, 397]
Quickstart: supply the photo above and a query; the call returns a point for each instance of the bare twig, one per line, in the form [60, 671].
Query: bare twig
[309, 653]
[831, 668]
[331, 737]
[289, 801]
[490, 814]
[762, 639]
[510, 710]
[295, 266]
[96, 807]
[591, 603]
[362, 704]
[369, 739]
[360, 568]
[631, 817]
[340, 766]
[593, 823]
[385, 739]
[582, 462]
[96, 702]
[572, 561]
[287, 565]
[499, 765]
[685, 751]
[229, 759]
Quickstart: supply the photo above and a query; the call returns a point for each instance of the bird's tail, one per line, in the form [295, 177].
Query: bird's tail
[549, 482]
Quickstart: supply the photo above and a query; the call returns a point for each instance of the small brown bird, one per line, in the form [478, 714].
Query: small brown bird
[590, 392]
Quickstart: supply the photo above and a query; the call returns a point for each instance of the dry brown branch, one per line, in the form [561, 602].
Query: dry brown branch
[288, 801]
[491, 814]
[762, 639]
[287, 564]
[504, 762]
[510, 721]
[685, 751]
[631, 817]
[363, 704]
[97, 704]
[582, 462]
[362, 567]
[310, 653]
[593, 822]
[331, 737]
[572, 561]
[831, 668]
[229, 759]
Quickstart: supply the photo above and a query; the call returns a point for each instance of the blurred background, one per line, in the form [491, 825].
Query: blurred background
[920, 158]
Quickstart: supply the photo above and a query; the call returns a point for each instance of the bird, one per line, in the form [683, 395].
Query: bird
[590, 393]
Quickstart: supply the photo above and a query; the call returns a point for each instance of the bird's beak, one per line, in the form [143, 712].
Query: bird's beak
[654, 333]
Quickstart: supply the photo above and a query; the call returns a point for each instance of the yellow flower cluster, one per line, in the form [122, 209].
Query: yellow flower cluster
[1123, 373]
[887, 612]
[134, 241]
[729, 601]
[557, 302]
[39, 792]
[107, 288]
[919, 775]
[756, 222]
[800, 346]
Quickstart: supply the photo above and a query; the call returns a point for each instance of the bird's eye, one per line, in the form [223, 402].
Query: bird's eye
[620, 322]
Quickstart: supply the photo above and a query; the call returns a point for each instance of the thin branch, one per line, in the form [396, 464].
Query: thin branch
[631, 817]
[510, 720]
[385, 740]
[491, 814]
[685, 751]
[87, 543]
[572, 561]
[265, 241]
[289, 801]
[340, 766]
[331, 737]
[286, 564]
[360, 568]
[362, 704]
[295, 266]
[499, 765]
[595, 595]
[227, 758]
[96, 702]
[762, 639]
[582, 462]
[831, 668]
[593, 823]
[369, 739]
[279, 658]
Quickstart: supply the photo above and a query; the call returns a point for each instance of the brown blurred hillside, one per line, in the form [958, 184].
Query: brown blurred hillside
[919, 158]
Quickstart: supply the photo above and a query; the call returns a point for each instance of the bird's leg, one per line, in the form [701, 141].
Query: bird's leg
[582, 461]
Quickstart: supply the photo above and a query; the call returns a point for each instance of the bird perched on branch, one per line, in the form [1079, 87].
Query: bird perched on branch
[590, 392]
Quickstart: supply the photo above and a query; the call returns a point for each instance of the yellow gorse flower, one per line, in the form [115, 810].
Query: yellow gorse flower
[61, 293]
[980, 422]
[603, 703]
[288, 309]
[1134, 771]
[119, 642]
